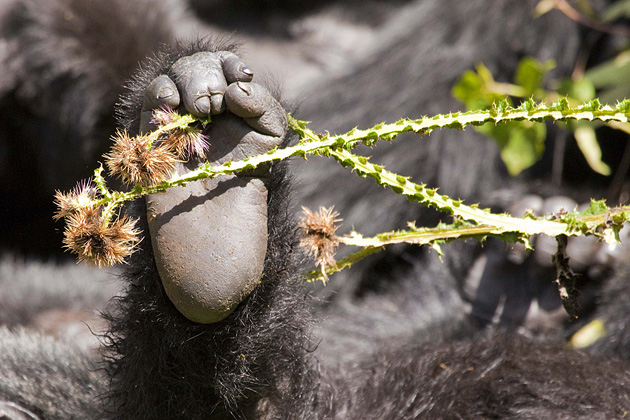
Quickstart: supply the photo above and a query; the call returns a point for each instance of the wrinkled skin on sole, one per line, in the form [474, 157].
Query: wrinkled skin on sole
[209, 238]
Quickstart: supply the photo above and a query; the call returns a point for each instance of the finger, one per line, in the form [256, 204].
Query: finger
[234, 139]
[234, 68]
[257, 107]
[160, 92]
[201, 83]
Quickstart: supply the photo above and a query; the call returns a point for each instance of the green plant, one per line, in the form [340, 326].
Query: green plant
[98, 234]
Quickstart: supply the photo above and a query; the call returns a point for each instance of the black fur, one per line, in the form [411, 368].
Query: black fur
[498, 377]
[228, 366]
[409, 73]
[53, 380]
[64, 63]
[613, 312]
[164, 366]
[255, 363]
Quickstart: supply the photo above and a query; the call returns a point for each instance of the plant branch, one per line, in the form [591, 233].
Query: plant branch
[338, 147]
[569, 11]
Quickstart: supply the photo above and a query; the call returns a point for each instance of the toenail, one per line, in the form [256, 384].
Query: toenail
[202, 105]
[244, 87]
[247, 71]
[165, 92]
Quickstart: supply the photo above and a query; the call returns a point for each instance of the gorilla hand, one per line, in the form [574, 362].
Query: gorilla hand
[209, 238]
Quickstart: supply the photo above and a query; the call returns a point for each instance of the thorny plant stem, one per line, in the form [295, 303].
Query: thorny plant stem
[311, 143]
[477, 222]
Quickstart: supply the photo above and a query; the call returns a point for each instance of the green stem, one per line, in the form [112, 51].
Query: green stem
[447, 233]
[347, 262]
[416, 192]
[485, 223]
[312, 143]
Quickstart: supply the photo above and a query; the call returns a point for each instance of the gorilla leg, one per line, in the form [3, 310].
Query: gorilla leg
[162, 363]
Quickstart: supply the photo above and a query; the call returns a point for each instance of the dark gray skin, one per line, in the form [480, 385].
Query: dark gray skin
[210, 237]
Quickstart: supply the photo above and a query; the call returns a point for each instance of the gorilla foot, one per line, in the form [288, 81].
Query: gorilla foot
[209, 238]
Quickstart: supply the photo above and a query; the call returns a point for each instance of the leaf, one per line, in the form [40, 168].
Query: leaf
[581, 90]
[595, 207]
[587, 142]
[471, 89]
[544, 6]
[467, 91]
[589, 334]
[524, 148]
[612, 78]
[618, 10]
[531, 73]
[522, 143]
